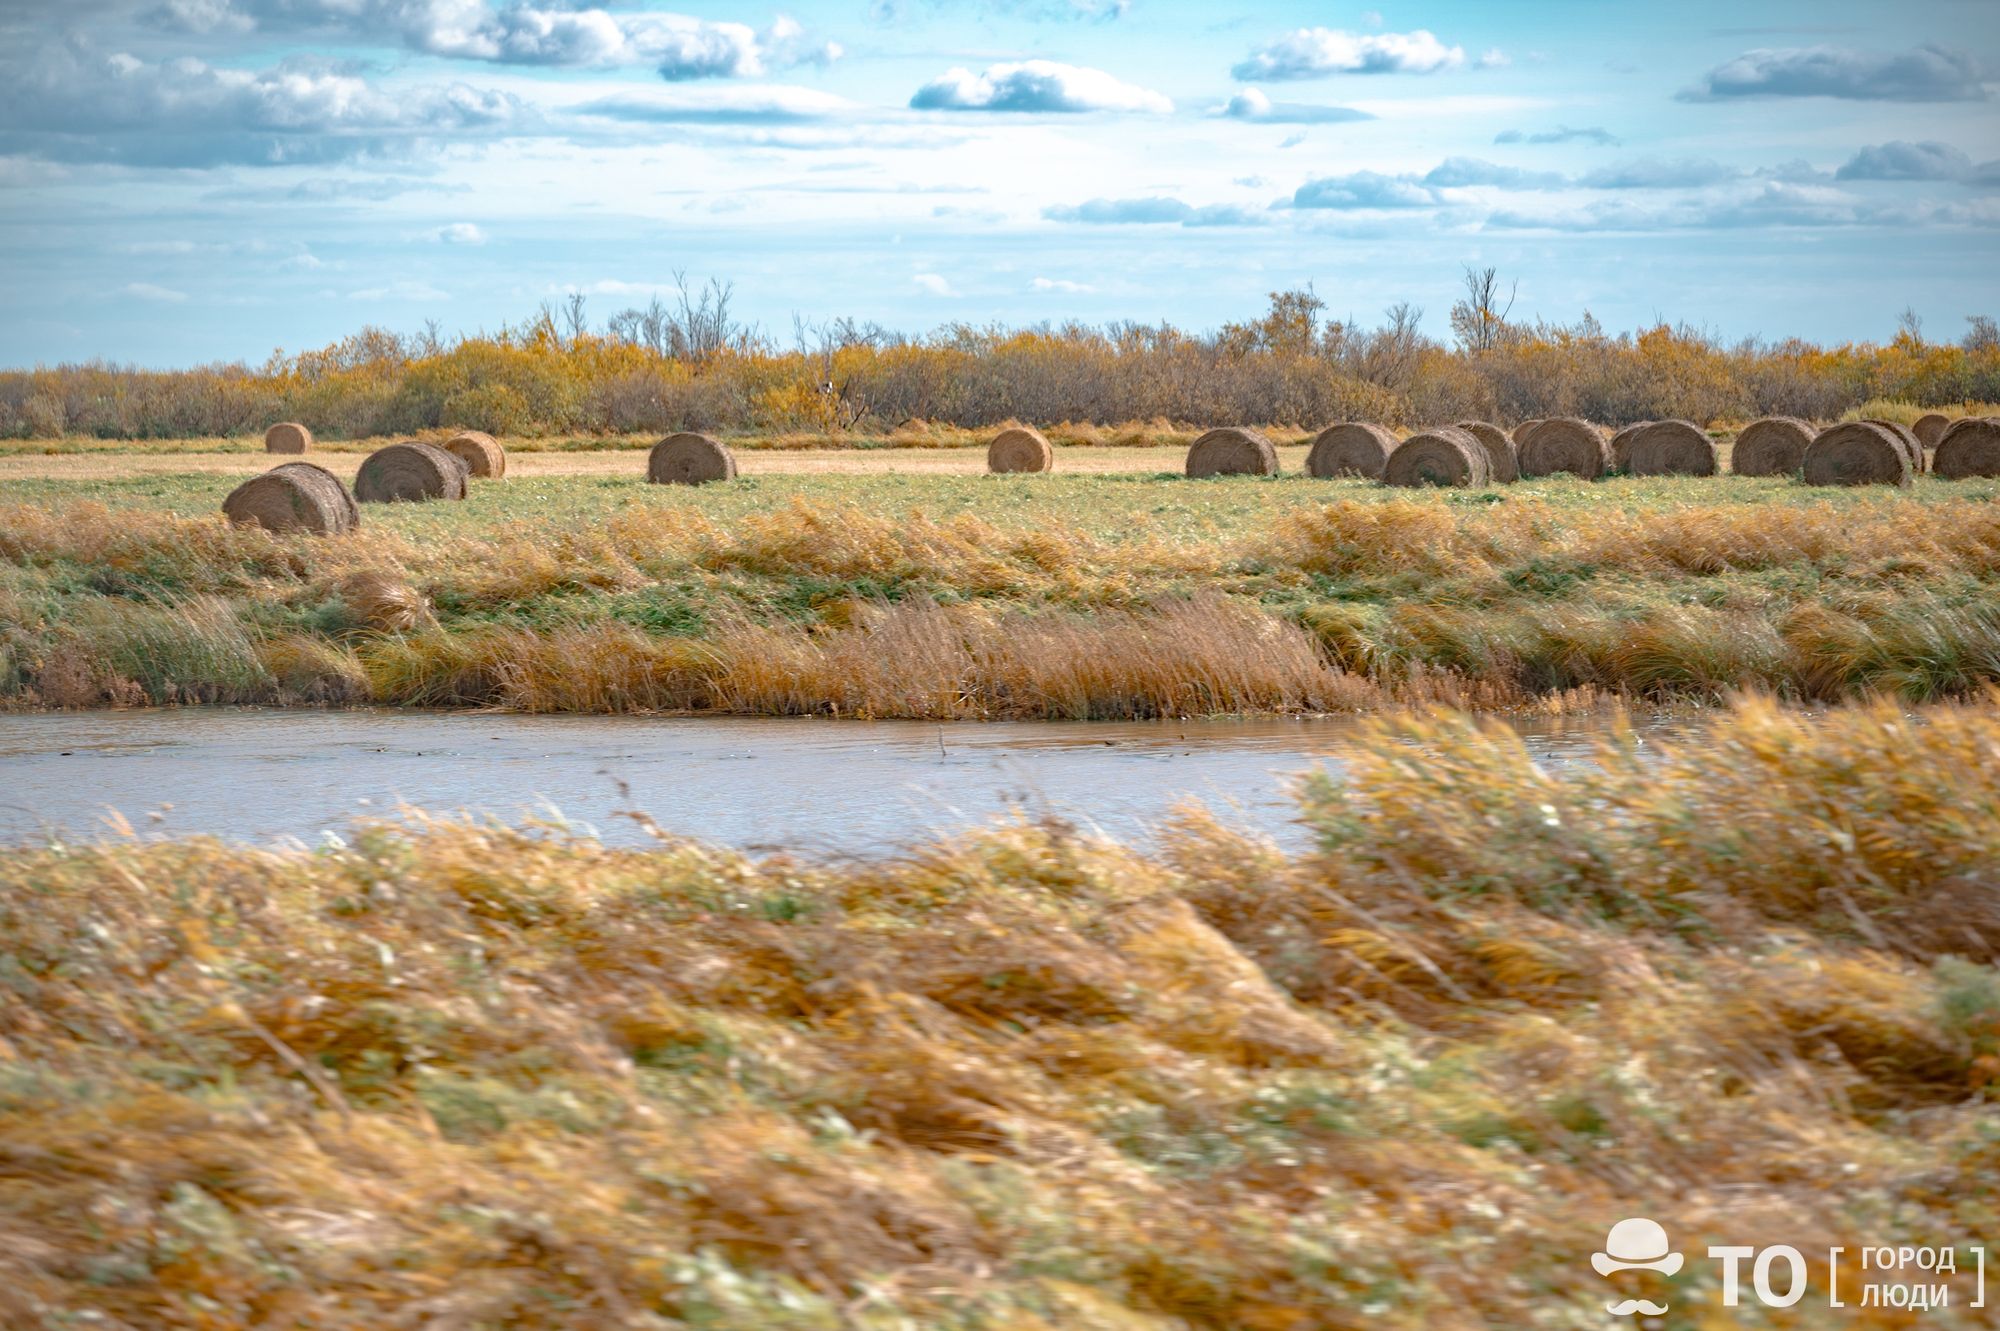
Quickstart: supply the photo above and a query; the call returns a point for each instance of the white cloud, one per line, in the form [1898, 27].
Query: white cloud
[75, 106]
[935, 284]
[1927, 74]
[728, 104]
[1252, 105]
[459, 233]
[1062, 284]
[1307, 53]
[147, 291]
[1036, 85]
[677, 45]
[1363, 189]
[1603, 138]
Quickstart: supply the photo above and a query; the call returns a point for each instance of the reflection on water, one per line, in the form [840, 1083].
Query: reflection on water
[848, 786]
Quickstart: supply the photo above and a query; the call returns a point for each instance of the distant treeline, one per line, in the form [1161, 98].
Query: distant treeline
[690, 366]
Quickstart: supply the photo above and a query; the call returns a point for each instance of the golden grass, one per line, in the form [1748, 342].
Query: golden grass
[454, 1075]
[767, 605]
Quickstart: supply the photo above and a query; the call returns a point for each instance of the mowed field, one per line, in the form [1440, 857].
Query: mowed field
[95, 464]
[893, 582]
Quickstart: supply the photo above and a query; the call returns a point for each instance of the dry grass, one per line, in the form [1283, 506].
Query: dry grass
[1245, 597]
[457, 1076]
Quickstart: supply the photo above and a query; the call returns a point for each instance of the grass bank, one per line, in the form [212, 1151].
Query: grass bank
[458, 1075]
[971, 596]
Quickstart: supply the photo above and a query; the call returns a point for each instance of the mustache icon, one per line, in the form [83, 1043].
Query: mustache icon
[1630, 1306]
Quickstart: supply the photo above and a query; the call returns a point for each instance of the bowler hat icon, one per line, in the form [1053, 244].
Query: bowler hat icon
[1636, 1244]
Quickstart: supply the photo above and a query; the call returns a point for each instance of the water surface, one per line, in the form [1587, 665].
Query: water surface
[754, 782]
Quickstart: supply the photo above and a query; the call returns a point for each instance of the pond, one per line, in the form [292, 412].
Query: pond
[853, 787]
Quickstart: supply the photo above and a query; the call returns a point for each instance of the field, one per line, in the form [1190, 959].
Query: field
[451, 1074]
[896, 582]
[456, 1076]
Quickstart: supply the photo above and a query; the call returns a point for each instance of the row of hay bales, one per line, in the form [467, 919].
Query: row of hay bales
[304, 496]
[299, 496]
[1477, 453]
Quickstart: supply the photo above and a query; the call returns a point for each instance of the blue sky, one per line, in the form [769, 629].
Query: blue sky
[193, 180]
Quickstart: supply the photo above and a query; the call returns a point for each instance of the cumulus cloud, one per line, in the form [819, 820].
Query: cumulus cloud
[1363, 189]
[459, 233]
[1310, 53]
[1252, 105]
[935, 284]
[1926, 74]
[1155, 211]
[73, 105]
[1658, 173]
[721, 105]
[1061, 284]
[1036, 85]
[678, 46]
[1457, 172]
[1603, 138]
[1899, 160]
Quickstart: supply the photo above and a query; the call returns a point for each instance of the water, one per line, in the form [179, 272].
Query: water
[752, 782]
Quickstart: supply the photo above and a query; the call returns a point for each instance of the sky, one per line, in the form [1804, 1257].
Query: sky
[190, 181]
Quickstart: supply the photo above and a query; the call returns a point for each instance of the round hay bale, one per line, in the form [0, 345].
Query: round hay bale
[1021, 448]
[1352, 448]
[1621, 445]
[1672, 448]
[1524, 429]
[1772, 446]
[1501, 463]
[690, 459]
[480, 452]
[1857, 453]
[1930, 429]
[1443, 456]
[1965, 423]
[1971, 447]
[294, 496]
[1908, 439]
[1233, 450]
[1566, 444]
[288, 437]
[409, 473]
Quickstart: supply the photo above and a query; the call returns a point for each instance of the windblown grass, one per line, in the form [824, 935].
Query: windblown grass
[455, 1075]
[1057, 597]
